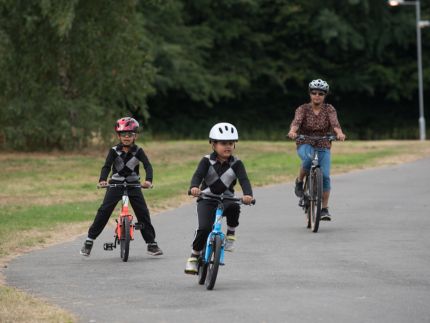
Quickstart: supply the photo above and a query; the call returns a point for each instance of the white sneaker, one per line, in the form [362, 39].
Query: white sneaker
[229, 243]
[191, 266]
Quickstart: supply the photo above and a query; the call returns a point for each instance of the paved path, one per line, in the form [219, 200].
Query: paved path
[372, 264]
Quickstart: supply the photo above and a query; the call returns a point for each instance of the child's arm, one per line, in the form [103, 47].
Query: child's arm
[104, 173]
[199, 175]
[244, 182]
[147, 165]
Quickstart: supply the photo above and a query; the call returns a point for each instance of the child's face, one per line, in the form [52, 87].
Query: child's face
[127, 138]
[224, 149]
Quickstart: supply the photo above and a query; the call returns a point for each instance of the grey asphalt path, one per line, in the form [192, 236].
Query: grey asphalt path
[371, 264]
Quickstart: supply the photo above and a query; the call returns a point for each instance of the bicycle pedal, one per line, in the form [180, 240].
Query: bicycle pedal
[108, 246]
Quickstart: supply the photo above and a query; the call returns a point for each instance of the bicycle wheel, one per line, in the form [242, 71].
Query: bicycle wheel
[214, 260]
[316, 199]
[125, 239]
[306, 203]
[202, 269]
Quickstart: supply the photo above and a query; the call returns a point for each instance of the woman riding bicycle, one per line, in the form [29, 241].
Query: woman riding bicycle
[315, 118]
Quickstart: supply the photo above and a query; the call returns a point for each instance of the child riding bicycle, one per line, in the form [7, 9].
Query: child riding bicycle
[315, 118]
[217, 174]
[123, 162]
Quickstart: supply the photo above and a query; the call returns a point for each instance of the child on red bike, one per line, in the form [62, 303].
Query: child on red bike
[218, 173]
[123, 162]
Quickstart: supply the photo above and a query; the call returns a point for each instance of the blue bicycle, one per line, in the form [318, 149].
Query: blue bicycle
[213, 254]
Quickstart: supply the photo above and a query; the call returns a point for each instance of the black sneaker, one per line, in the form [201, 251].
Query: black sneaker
[86, 248]
[325, 216]
[154, 250]
[299, 188]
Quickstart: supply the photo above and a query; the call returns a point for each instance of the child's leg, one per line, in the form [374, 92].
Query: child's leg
[142, 214]
[112, 197]
[206, 217]
[231, 212]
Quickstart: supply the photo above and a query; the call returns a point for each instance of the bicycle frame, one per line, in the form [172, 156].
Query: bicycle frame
[124, 213]
[215, 243]
[217, 230]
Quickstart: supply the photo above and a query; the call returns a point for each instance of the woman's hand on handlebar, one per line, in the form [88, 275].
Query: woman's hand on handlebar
[340, 136]
[195, 191]
[247, 199]
[292, 134]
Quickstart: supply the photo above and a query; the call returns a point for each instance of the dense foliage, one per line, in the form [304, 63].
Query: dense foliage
[70, 67]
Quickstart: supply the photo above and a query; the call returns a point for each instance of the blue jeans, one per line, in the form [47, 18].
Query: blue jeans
[306, 152]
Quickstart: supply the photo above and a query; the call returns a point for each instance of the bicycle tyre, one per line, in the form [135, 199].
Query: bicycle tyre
[316, 199]
[125, 239]
[203, 269]
[306, 202]
[214, 260]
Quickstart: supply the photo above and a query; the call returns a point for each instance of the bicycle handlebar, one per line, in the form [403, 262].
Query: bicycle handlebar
[329, 137]
[222, 197]
[124, 185]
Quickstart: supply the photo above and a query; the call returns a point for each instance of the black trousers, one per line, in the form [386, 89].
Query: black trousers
[112, 197]
[206, 217]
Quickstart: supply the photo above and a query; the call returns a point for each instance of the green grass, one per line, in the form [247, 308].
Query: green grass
[46, 192]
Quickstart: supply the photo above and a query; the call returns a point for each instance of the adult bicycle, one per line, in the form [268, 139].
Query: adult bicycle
[311, 201]
[125, 228]
[213, 253]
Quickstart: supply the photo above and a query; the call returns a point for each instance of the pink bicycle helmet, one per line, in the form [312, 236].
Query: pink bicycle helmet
[126, 124]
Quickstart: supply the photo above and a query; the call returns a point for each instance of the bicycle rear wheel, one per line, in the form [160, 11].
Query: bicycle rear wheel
[316, 198]
[214, 260]
[125, 239]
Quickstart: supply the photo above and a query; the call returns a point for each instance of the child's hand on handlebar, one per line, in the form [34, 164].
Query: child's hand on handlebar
[102, 184]
[195, 191]
[147, 184]
[247, 199]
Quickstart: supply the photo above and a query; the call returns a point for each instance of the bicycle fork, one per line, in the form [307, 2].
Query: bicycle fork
[216, 231]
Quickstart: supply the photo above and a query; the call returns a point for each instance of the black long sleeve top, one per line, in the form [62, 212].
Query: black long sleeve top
[218, 188]
[135, 151]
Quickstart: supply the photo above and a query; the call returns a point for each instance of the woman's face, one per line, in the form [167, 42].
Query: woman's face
[317, 97]
[224, 149]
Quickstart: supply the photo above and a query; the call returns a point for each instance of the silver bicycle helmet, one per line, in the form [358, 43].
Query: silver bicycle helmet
[319, 85]
[223, 131]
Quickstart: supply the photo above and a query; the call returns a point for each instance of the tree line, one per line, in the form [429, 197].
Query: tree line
[70, 68]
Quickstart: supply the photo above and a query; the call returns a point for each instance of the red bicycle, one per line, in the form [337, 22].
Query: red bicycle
[124, 230]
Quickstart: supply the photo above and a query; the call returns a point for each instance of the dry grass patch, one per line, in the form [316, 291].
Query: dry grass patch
[16, 306]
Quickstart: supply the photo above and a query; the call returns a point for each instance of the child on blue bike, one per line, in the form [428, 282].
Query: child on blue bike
[217, 174]
[123, 162]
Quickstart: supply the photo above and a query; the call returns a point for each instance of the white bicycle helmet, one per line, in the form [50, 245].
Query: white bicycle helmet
[319, 85]
[223, 131]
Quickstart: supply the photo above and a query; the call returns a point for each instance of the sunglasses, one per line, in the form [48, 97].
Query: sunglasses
[318, 93]
[127, 134]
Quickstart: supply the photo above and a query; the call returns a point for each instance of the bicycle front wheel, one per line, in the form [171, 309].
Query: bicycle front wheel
[316, 199]
[306, 202]
[214, 260]
[125, 239]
